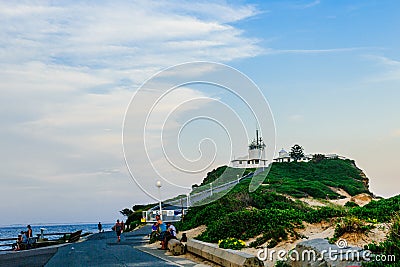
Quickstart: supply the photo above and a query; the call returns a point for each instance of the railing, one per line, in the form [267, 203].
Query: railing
[35, 238]
[184, 202]
[7, 244]
[191, 199]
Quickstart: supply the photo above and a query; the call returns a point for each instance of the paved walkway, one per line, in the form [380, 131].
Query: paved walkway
[103, 250]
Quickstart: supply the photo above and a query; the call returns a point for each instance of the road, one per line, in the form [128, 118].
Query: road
[104, 250]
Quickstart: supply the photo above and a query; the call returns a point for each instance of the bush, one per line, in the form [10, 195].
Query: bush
[351, 204]
[351, 225]
[382, 210]
[231, 243]
[134, 219]
[273, 236]
[391, 246]
[281, 264]
[321, 214]
[248, 223]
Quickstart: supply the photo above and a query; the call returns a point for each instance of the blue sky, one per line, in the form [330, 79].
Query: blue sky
[330, 71]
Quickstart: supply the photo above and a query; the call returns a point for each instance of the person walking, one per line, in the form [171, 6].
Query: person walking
[100, 227]
[118, 230]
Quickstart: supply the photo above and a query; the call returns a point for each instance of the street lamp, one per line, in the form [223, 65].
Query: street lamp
[158, 184]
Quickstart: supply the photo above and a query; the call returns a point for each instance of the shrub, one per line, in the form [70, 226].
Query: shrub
[382, 210]
[273, 235]
[322, 213]
[248, 223]
[231, 243]
[259, 241]
[281, 264]
[351, 225]
[351, 204]
[391, 246]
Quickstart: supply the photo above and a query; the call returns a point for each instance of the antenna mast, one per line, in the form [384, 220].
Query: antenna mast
[257, 137]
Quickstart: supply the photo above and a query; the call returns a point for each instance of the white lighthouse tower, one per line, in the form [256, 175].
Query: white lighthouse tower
[256, 157]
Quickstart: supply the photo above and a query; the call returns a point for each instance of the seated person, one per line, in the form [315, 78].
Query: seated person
[160, 225]
[17, 245]
[154, 233]
[170, 234]
[184, 237]
[154, 228]
[22, 241]
[24, 238]
[29, 232]
[172, 230]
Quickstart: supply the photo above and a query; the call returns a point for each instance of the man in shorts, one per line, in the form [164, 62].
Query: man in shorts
[118, 230]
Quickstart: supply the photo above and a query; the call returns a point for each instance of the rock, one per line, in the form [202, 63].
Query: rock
[361, 199]
[176, 247]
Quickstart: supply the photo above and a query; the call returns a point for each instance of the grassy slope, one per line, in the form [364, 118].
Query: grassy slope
[301, 179]
[216, 173]
[266, 211]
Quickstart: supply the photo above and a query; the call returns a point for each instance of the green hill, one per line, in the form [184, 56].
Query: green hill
[269, 211]
[302, 179]
[275, 210]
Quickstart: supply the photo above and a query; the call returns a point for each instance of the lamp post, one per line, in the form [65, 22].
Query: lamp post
[158, 184]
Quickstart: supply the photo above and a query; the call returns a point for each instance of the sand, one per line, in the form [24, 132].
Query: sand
[323, 230]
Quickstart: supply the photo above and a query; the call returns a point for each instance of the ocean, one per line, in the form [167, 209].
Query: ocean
[13, 231]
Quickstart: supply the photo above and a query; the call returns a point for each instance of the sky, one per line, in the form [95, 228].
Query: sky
[329, 70]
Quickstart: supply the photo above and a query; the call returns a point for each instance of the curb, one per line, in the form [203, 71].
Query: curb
[223, 257]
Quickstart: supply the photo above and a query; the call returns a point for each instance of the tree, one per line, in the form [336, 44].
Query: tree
[318, 157]
[296, 152]
[126, 212]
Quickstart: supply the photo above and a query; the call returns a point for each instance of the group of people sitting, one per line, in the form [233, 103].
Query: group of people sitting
[23, 239]
[165, 232]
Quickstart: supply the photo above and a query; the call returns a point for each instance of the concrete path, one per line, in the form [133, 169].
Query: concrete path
[104, 250]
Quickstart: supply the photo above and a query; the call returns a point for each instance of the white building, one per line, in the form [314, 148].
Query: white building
[256, 157]
[284, 156]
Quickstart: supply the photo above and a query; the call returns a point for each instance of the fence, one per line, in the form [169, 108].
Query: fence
[176, 208]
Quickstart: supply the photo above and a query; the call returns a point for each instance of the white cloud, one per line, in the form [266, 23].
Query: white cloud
[67, 73]
[389, 69]
[306, 5]
[122, 36]
[312, 51]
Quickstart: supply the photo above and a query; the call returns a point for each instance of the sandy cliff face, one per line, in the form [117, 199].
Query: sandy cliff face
[365, 179]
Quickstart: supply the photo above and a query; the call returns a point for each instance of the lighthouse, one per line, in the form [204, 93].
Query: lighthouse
[256, 157]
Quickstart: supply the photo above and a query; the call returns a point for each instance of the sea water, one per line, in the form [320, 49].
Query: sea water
[14, 231]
